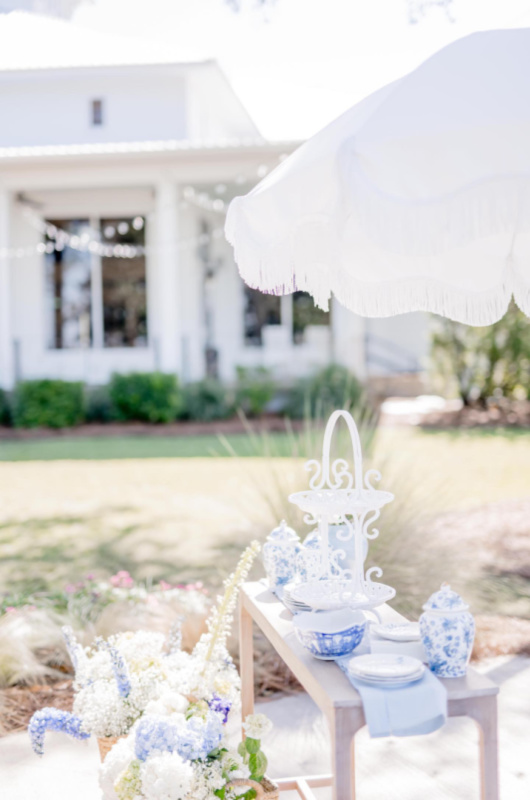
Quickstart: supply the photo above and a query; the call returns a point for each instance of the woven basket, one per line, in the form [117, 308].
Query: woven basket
[106, 743]
[266, 790]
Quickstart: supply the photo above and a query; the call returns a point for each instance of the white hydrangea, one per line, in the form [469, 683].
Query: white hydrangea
[167, 702]
[166, 777]
[256, 726]
[116, 761]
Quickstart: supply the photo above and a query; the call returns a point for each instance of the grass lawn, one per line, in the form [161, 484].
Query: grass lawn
[69, 506]
[102, 448]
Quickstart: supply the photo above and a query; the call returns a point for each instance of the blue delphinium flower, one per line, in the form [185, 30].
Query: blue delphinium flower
[220, 706]
[53, 719]
[72, 645]
[119, 667]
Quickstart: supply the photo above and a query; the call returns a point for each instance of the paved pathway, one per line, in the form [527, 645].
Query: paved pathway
[441, 766]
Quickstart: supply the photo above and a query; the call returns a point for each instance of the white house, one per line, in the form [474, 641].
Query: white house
[115, 173]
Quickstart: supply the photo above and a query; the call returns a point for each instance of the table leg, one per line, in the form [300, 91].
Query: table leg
[246, 660]
[345, 724]
[484, 711]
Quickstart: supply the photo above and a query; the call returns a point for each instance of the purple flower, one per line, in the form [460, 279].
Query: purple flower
[53, 719]
[221, 707]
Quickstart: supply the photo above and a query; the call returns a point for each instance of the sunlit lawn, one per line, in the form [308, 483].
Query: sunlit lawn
[69, 506]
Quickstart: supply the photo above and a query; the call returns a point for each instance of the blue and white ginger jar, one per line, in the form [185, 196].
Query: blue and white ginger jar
[279, 555]
[447, 631]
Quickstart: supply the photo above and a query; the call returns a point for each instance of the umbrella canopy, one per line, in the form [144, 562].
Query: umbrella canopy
[418, 198]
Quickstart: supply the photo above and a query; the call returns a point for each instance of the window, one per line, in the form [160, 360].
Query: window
[306, 313]
[68, 290]
[97, 112]
[124, 286]
[260, 310]
[93, 299]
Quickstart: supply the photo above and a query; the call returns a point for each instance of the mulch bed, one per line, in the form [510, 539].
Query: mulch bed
[502, 415]
[18, 703]
[226, 427]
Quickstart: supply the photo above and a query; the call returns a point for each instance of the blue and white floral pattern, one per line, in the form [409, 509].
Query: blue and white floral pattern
[279, 555]
[447, 631]
[332, 645]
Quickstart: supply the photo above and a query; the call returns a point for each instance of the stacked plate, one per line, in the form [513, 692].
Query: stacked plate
[398, 632]
[382, 669]
[295, 606]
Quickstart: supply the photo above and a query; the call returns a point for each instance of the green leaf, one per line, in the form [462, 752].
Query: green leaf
[257, 765]
[252, 745]
[242, 750]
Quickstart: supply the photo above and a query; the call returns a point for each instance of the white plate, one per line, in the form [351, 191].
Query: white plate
[407, 632]
[384, 665]
[417, 674]
[333, 593]
[394, 681]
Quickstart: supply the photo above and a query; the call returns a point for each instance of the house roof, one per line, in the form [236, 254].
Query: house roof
[33, 42]
[64, 152]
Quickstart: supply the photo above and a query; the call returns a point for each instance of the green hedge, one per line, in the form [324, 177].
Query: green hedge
[331, 388]
[254, 390]
[145, 396]
[5, 411]
[207, 400]
[48, 404]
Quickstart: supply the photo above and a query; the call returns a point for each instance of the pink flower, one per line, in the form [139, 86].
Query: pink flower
[164, 585]
[89, 577]
[70, 588]
[122, 579]
[10, 609]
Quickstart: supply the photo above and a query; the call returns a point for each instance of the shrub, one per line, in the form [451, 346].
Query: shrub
[331, 388]
[5, 411]
[99, 406]
[207, 400]
[255, 389]
[48, 404]
[145, 396]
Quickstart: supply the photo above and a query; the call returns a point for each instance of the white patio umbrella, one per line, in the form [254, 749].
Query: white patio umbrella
[418, 198]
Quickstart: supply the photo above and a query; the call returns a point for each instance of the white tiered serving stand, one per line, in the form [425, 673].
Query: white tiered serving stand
[336, 496]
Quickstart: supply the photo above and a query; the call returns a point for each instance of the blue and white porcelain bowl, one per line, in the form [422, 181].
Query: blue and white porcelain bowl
[447, 632]
[330, 634]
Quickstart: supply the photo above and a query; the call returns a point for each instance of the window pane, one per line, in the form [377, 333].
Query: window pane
[306, 313]
[260, 310]
[97, 112]
[68, 290]
[124, 286]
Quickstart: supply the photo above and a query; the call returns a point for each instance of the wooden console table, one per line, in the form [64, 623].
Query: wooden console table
[474, 696]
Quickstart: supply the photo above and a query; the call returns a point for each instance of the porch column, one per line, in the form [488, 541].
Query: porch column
[166, 310]
[6, 337]
[348, 333]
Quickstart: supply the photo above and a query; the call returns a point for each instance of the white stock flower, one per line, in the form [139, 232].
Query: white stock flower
[256, 726]
[166, 777]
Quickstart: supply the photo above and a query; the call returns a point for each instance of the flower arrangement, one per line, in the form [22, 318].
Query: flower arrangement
[184, 757]
[128, 676]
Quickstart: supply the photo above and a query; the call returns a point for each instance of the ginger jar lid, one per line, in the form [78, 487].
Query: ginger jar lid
[445, 600]
[283, 533]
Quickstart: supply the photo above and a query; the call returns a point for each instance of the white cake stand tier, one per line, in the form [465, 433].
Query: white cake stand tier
[338, 496]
